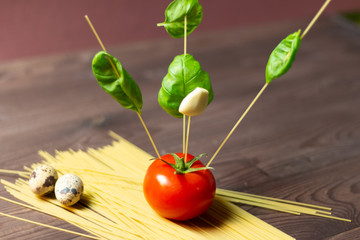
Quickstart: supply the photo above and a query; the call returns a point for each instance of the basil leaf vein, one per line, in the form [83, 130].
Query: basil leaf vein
[120, 85]
[282, 56]
[184, 75]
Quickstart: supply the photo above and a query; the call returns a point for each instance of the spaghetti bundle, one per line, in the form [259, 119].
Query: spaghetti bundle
[113, 205]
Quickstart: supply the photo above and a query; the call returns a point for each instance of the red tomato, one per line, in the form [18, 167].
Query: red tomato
[178, 196]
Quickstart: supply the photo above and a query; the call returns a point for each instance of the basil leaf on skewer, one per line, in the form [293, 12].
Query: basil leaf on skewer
[282, 56]
[119, 84]
[174, 17]
[184, 75]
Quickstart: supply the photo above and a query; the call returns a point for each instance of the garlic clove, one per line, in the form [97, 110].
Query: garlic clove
[195, 102]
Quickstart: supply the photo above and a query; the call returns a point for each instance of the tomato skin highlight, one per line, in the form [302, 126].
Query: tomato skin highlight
[178, 196]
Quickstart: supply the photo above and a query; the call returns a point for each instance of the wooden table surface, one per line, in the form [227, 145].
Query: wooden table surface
[301, 141]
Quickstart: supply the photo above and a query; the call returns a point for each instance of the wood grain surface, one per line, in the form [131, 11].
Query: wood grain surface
[301, 141]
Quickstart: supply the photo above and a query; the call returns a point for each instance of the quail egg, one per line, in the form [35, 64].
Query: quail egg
[42, 179]
[68, 189]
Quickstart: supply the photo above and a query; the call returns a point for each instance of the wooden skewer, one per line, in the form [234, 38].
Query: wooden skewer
[184, 117]
[187, 137]
[315, 18]
[148, 133]
[266, 84]
[185, 35]
[238, 122]
[184, 132]
[185, 142]
[118, 75]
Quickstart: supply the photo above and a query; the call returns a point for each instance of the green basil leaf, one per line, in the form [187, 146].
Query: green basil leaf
[175, 14]
[184, 75]
[282, 56]
[123, 88]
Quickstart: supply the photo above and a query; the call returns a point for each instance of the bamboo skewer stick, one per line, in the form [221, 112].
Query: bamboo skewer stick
[184, 133]
[149, 135]
[118, 75]
[185, 141]
[266, 84]
[238, 122]
[187, 137]
[184, 117]
[315, 18]
[185, 35]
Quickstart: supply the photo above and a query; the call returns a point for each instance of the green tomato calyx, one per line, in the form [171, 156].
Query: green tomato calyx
[182, 167]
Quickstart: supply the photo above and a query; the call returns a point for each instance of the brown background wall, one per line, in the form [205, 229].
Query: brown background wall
[41, 27]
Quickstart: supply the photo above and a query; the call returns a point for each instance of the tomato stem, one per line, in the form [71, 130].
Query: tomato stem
[182, 167]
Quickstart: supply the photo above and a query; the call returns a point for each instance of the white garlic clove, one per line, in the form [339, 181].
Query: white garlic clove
[68, 189]
[42, 180]
[195, 102]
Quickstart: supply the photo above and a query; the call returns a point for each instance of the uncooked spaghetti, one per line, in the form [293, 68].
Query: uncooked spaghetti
[113, 205]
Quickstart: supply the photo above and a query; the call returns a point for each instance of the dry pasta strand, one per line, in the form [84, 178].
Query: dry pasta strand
[113, 205]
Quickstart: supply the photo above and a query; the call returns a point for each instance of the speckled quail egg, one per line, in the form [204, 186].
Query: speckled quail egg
[68, 189]
[42, 179]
